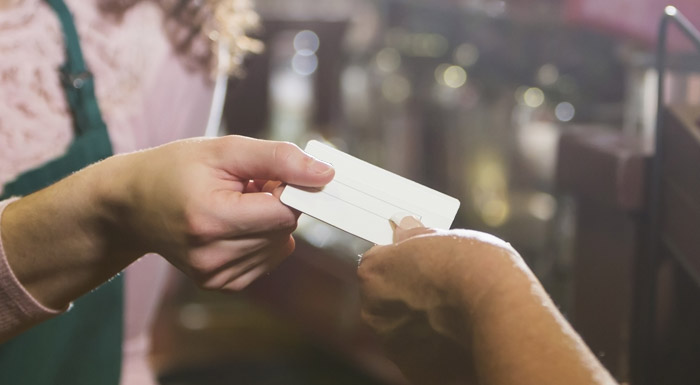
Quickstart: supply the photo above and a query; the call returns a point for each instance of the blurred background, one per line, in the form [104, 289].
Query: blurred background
[538, 115]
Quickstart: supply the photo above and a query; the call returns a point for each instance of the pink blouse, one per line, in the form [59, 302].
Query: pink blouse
[147, 96]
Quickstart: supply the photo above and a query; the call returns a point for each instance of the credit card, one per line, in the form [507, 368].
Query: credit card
[362, 198]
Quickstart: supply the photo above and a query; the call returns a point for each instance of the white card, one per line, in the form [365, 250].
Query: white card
[362, 198]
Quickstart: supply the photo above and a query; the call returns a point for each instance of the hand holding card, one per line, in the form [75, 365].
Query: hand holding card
[362, 198]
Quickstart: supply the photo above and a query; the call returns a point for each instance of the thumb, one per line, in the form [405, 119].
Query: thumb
[262, 159]
[406, 226]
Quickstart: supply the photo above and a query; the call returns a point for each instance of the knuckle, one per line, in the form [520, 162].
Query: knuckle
[219, 146]
[210, 285]
[236, 285]
[283, 152]
[284, 251]
[200, 228]
[288, 224]
[201, 270]
[233, 140]
[284, 223]
[363, 271]
[202, 276]
[210, 281]
[204, 264]
[367, 259]
[288, 247]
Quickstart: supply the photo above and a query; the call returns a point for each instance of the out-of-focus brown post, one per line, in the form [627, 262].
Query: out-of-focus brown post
[605, 172]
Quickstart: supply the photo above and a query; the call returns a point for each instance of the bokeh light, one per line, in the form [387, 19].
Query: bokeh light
[304, 65]
[547, 75]
[564, 111]
[306, 43]
[388, 59]
[396, 88]
[466, 55]
[454, 76]
[533, 97]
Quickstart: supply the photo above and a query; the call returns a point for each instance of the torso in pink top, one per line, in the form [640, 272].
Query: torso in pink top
[147, 97]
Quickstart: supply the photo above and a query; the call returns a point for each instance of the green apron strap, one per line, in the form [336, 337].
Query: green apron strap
[92, 142]
[77, 79]
[82, 346]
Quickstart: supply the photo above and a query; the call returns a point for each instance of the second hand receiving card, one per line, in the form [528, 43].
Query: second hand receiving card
[362, 198]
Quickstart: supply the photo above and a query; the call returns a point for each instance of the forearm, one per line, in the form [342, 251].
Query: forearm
[58, 241]
[519, 336]
[188, 201]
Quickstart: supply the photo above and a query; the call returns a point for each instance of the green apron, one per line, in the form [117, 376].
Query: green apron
[82, 346]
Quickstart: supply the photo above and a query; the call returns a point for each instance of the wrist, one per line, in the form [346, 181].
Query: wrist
[504, 290]
[112, 197]
[60, 241]
[481, 264]
[484, 271]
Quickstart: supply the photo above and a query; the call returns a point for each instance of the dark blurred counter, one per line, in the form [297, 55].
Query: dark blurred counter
[298, 325]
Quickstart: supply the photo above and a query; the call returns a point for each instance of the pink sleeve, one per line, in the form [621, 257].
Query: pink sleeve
[18, 309]
[176, 106]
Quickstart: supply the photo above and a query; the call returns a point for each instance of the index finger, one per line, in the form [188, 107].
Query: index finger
[263, 159]
[406, 226]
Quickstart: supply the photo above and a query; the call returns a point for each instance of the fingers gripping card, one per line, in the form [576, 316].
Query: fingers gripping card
[362, 198]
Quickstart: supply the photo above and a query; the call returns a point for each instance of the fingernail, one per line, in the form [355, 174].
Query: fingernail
[320, 167]
[406, 221]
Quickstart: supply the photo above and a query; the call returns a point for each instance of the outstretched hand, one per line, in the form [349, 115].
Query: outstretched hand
[420, 294]
[211, 206]
[403, 302]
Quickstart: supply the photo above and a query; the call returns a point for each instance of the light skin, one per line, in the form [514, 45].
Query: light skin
[209, 206]
[461, 307]
[452, 307]
[6, 4]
